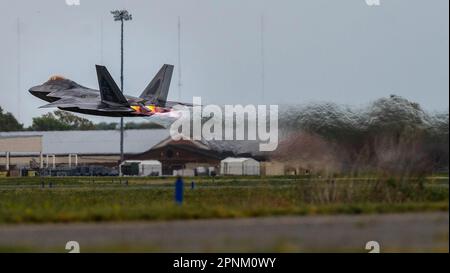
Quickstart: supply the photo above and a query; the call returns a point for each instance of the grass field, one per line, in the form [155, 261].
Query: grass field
[24, 200]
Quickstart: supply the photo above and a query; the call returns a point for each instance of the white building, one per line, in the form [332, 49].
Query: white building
[239, 166]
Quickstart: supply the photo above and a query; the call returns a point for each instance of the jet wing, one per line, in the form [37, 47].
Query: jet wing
[115, 109]
[161, 120]
[70, 102]
[63, 102]
[171, 104]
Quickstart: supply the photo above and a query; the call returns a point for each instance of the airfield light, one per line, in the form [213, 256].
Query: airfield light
[122, 16]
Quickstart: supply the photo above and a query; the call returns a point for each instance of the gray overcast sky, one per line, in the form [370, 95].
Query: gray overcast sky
[315, 50]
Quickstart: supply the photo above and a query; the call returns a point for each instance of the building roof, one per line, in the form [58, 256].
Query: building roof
[95, 142]
[107, 142]
[143, 162]
[16, 136]
[236, 147]
[238, 160]
[195, 143]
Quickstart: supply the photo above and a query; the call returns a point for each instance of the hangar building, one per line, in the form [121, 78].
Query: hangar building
[69, 148]
[49, 150]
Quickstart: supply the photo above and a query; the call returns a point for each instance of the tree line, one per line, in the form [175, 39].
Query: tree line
[64, 121]
[391, 135]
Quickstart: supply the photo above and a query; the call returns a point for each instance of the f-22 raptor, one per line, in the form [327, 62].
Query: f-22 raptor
[109, 101]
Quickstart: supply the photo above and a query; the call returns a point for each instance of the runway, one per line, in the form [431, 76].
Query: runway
[417, 232]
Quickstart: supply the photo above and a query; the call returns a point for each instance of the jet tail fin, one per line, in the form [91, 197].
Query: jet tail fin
[110, 92]
[158, 89]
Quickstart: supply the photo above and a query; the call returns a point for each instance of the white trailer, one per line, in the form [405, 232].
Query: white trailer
[239, 166]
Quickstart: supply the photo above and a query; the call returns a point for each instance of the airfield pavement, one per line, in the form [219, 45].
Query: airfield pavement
[410, 232]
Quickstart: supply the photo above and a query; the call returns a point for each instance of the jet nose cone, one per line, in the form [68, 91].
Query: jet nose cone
[39, 91]
[35, 89]
[32, 90]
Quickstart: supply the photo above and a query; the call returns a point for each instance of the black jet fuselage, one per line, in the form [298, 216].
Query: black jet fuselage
[108, 100]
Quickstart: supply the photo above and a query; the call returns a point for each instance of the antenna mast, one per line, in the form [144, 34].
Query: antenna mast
[19, 68]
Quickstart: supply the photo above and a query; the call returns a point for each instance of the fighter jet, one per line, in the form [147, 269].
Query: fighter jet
[109, 101]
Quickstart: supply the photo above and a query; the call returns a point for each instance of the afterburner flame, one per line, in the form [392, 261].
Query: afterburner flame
[149, 109]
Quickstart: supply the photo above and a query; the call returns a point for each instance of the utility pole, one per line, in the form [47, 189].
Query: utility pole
[101, 40]
[122, 16]
[179, 58]
[263, 57]
[263, 61]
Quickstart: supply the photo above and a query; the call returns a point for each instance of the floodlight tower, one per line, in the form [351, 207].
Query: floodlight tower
[122, 16]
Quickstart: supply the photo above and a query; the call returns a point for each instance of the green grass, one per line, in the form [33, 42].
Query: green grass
[80, 200]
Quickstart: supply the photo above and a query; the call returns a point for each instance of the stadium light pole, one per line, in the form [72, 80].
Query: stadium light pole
[122, 16]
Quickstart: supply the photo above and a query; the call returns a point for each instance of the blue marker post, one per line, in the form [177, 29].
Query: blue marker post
[192, 185]
[179, 188]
